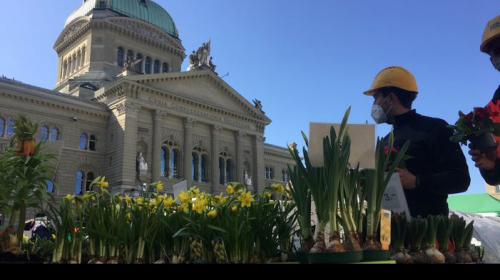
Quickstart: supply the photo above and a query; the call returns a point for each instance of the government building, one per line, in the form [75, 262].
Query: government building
[124, 109]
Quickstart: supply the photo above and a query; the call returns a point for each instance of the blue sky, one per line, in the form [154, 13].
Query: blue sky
[307, 61]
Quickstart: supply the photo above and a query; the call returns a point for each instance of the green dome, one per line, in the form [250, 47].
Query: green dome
[145, 10]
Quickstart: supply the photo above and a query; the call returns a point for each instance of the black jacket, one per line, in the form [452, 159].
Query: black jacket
[438, 163]
[493, 177]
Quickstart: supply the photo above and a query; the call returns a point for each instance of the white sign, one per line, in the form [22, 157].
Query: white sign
[362, 144]
[394, 198]
[179, 188]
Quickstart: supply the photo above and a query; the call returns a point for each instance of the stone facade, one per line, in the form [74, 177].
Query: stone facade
[187, 125]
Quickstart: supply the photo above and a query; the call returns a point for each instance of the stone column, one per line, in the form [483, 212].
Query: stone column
[216, 131]
[188, 150]
[239, 156]
[258, 163]
[128, 122]
[158, 118]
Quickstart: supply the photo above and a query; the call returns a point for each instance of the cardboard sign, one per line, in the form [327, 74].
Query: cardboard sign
[394, 198]
[385, 229]
[362, 144]
[179, 188]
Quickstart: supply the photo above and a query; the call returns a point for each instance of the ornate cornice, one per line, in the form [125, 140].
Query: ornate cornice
[136, 29]
[175, 103]
[219, 83]
[54, 104]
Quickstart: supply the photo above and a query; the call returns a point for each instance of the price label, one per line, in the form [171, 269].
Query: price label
[385, 229]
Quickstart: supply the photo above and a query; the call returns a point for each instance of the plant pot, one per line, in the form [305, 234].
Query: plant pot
[485, 142]
[374, 256]
[335, 258]
[27, 148]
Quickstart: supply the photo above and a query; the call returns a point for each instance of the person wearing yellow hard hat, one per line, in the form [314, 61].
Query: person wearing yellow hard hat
[436, 167]
[489, 162]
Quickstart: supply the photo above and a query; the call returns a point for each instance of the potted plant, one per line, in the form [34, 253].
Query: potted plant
[478, 128]
[375, 182]
[24, 136]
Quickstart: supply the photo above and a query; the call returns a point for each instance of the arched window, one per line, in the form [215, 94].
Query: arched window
[174, 163]
[50, 187]
[84, 140]
[75, 62]
[54, 135]
[196, 167]
[64, 69]
[157, 67]
[164, 162]
[88, 183]
[170, 160]
[44, 134]
[165, 68]
[285, 176]
[225, 168]
[229, 170]
[204, 168]
[148, 65]
[92, 143]
[83, 57]
[138, 66]
[11, 125]
[222, 171]
[130, 55]
[2, 127]
[269, 173]
[120, 57]
[80, 181]
[79, 60]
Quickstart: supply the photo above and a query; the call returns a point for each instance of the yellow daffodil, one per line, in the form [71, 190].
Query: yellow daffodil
[220, 200]
[184, 207]
[279, 188]
[212, 214]
[195, 191]
[87, 197]
[184, 197]
[200, 205]
[160, 187]
[246, 200]
[104, 185]
[140, 201]
[127, 200]
[70, 198]
[169, 202]
[234, 208]
[53, 237]
[230, 190]
[268, 195]
[293, 146]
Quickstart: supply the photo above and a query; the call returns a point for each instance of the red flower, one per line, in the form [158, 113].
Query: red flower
[481, 114]
[494, 111]
[393, 151]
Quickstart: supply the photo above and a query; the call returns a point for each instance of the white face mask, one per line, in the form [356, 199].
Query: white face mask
[378, 114]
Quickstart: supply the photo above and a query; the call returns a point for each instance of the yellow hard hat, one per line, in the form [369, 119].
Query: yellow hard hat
[394, 76]
[491, 32]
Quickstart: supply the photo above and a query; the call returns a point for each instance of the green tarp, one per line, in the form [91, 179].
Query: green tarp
[474, 204]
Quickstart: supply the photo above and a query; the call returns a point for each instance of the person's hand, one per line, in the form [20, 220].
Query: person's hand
[484, 161]
[408, 180]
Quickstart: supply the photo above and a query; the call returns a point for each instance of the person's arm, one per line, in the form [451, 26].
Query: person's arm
[450, 173]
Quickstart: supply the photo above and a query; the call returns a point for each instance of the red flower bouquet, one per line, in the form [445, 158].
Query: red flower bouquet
[393, 154]
[479, 127]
